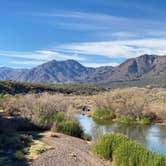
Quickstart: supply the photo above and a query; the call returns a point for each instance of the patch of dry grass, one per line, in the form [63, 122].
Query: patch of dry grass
[31, 106]
[1, 111]
[128, 101]
[36, 148]
[134, 102]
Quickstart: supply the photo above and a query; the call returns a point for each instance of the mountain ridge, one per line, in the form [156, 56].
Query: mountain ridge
[142, 68]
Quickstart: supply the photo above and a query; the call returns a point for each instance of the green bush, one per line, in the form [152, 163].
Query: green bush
[59, 122]
[70, 128]
[125, 152]
[125, 119]
[106, 145]
[145, 120]
[19, 155]
[103, 114]
[131, 153]
[57, 117]
[47, 121]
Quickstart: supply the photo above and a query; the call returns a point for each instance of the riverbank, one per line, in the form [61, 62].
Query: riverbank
[151, 136]
[132, 105]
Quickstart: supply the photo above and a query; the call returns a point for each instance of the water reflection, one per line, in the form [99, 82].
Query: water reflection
[153, 137]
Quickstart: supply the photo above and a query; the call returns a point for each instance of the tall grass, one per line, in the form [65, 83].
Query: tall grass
[103, 114]
[131, 153]
[125, 152]
[106, 145]
[66, 124]
[70, 128]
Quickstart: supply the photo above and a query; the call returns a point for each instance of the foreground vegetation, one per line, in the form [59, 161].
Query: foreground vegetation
[13, 87]
[124, 152]
[37, 113]
[43, 112]
[51, 111]
[140, 105]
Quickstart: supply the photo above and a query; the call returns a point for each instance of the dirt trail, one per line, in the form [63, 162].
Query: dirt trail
[67, 151]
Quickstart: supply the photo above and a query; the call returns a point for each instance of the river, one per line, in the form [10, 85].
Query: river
[152, 136]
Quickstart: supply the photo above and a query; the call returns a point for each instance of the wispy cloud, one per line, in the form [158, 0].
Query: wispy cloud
[98, 21]
[84, 51]
[41, 55]
[124, 37]
[117, 48]
[31, 59]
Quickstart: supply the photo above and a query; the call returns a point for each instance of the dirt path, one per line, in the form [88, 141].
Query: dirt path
[67, 151]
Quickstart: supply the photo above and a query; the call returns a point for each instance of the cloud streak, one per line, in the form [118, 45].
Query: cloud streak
[85, 51]
[117, 48]
[41, 55]
[98, 21]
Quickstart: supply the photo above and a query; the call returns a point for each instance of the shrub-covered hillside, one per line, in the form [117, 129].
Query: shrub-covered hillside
[12, 87]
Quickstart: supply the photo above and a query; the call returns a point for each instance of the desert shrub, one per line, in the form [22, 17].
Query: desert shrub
[125, 152]
[38, 109]
[13, 87]
[69, 127]
[103, 114]
[10, 106]
[134, 102]
[19, 155]
[45, 108]
[46, 111]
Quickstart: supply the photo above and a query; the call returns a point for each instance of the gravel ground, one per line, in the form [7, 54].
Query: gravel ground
[67, 151]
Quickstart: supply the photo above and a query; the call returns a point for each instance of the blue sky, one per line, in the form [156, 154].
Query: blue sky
[93, 32]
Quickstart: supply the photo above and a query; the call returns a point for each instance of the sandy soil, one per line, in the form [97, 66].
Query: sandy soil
[67, 151]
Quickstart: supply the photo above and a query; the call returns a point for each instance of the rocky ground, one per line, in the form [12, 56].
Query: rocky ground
[67, 151]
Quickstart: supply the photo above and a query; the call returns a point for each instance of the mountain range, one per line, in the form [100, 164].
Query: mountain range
[145, 69]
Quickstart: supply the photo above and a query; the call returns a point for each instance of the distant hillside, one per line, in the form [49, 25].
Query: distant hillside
[12, 87]
[140, 71]
[143, 70]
